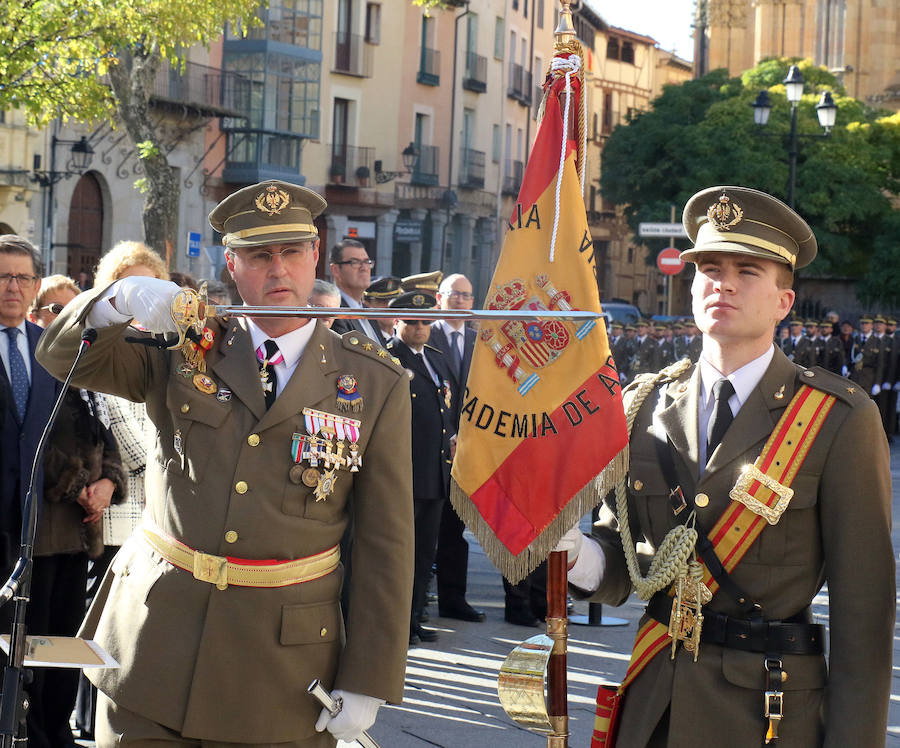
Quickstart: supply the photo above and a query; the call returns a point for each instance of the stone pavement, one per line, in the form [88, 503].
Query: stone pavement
[451, 700]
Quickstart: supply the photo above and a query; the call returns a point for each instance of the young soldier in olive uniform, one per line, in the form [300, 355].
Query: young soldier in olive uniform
[694, 341]
[698, 428]
[833, 352]
[666, 353]
[221, 650]
[618, 344]
[870, 364]
[646, 356]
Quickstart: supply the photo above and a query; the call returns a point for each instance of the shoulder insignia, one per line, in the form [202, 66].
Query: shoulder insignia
[351, 342]
[834, 384]
[432, 348]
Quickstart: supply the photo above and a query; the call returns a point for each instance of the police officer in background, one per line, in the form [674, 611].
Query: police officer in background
[433, 428]
[224, 605]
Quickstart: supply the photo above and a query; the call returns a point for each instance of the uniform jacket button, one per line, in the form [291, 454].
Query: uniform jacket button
[231, 536]
[241, 486]
[253, 440]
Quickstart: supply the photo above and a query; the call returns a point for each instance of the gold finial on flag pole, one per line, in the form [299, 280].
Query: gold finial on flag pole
[565, 30]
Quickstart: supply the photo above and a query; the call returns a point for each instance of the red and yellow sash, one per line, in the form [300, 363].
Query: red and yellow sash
[761, 491]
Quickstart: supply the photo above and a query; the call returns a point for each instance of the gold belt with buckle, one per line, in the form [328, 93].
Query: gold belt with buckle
[241, 572]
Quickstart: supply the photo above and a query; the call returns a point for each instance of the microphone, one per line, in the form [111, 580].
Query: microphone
[18, 586]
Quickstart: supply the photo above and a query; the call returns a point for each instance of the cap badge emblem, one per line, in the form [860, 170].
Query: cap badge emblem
[724, 214]
[272, 201]
[418, 300]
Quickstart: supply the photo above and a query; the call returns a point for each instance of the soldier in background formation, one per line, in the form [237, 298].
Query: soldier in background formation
[641, 347]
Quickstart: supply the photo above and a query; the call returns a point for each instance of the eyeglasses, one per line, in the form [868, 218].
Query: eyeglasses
[464, 295]
[261, 259]
[355, 263]
[25, 281]
[415, 322]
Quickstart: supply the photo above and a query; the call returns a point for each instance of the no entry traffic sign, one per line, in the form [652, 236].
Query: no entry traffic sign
[669, 262]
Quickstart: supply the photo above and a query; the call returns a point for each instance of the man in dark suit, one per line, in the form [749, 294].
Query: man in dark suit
[457, 342]
[351, 269]
[432, 427]
[28, 392]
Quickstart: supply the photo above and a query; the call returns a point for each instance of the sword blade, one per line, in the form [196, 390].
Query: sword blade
[316, 312]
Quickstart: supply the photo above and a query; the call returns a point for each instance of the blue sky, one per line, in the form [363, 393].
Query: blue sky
[667, 21]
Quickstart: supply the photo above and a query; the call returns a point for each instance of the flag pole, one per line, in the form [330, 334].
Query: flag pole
[557, 585]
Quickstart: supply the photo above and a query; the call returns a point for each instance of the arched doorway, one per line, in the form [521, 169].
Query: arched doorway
[85, 228]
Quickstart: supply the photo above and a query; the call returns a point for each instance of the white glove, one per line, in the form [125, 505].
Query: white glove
[357, 715]
[886, 386]
[844, 371]
[571, 544]
[876, 389]
[148, 300]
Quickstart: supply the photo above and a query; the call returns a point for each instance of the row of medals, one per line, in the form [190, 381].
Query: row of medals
[323, 449]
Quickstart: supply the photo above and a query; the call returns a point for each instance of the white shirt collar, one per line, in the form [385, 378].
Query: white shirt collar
[350, 301]
[290, 344]
[744, 379]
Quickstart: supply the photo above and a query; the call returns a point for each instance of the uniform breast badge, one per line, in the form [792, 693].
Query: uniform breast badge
[328, 436]
[348, 397]
[204, 384]
[686, 621]
[445, 388]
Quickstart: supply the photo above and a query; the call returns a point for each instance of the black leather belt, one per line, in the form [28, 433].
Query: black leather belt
[794, 635]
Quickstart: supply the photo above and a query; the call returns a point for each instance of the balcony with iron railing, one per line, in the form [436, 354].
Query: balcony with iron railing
[429, 67]
[352, 55]
[471, 169]
[426, 170]
[205, 89]
[350, 164]
[519, 87]
[512, 177]
[256, 155]
[475, 74]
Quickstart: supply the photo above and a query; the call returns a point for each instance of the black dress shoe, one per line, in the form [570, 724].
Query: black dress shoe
[423, 634]
[521, 619]
[462, 612]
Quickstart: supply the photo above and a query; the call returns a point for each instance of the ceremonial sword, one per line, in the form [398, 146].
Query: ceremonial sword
[334, 706]
[191, 309]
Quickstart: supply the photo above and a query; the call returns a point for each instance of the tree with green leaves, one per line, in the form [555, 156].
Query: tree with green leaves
[95, 60]
[701, 133]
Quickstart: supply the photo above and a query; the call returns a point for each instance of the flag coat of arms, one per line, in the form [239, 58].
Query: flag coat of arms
[542, 432]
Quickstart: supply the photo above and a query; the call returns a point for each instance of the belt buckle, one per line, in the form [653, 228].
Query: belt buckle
[740, 493]
[211, 569]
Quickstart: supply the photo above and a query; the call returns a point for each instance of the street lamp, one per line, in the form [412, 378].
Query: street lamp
[410, 156]
[826, 111]
[80, 156]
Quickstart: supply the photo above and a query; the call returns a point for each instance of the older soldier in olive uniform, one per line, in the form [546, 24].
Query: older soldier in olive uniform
[271, 434]
[701, 426]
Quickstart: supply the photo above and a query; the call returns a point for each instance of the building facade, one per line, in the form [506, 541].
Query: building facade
[857, 39]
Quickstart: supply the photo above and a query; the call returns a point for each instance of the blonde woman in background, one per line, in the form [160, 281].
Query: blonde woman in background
[133, 433]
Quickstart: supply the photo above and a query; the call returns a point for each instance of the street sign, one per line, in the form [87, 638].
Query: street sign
[193, 243]
[668, 261]
[408, 231]
[662, 229]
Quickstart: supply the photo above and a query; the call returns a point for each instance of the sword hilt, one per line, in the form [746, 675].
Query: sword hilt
[334, 706]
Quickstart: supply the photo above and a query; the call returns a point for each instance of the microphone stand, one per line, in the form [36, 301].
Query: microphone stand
[18, 586]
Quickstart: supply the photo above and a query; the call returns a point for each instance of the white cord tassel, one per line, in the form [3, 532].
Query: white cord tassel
[571, 64]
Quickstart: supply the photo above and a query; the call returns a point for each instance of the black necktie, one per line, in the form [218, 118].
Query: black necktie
[267, 370]
[721, 416]
[454, 353]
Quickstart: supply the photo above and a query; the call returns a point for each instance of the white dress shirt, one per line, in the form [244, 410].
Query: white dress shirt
[21, 344]
[290, 344]
[368, 329]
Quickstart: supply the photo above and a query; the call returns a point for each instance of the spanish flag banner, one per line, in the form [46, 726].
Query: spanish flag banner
[542, 435]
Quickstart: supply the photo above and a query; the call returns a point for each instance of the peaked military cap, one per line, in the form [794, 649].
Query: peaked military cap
[878, 318]
[413, 300]
[643, 322]
[891, 321]
[866, 318]
[387, 287]
[740, 220]
[271, 212]
[423, 281]
[630, 327]
[615, 323]
[796, 323]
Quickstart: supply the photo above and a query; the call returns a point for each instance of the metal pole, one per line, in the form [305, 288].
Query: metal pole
[48, 233]
[792, 156]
